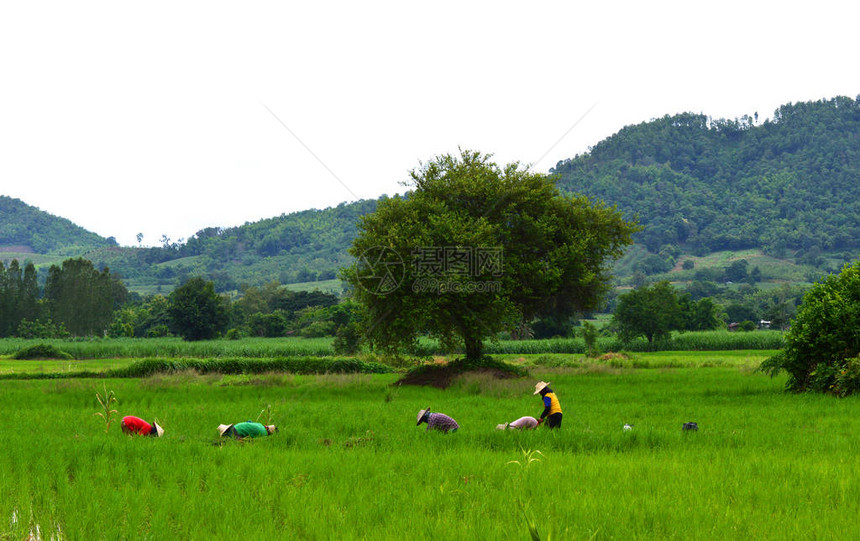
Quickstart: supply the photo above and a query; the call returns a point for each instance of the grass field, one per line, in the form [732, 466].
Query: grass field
[349, 462]
[114, 348]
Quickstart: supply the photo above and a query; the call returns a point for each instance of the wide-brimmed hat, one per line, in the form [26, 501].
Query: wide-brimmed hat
[502, 426]
[158, 430]
[223, 428]
[421, 414]
[540, 385]
[271, 429]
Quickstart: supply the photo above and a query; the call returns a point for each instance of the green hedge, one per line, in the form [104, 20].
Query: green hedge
[304, 365]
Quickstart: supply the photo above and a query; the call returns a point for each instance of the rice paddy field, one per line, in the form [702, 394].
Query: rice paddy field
[350, 463]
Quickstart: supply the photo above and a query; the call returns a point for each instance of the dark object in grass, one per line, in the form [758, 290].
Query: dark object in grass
[690, 426]
[41, 351]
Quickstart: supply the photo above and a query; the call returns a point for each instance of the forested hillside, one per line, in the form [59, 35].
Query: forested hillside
[30, 229]
[788, 184]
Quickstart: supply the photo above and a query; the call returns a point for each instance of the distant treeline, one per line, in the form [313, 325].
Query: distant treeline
[78, 300]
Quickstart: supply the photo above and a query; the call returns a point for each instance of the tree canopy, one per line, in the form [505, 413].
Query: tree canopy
[82, 298]
[196, 311]
[475, 248]
[654, 311]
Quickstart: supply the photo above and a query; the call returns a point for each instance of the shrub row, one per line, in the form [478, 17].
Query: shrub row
[148, 367]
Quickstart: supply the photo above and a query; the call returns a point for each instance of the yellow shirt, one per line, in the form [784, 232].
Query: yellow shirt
[551, 401]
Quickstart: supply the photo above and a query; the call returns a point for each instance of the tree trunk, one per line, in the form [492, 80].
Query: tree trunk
[474, 349]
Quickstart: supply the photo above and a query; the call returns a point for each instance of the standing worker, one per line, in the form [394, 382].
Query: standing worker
[551, 408]
[136, 425]
[247, 429]
[437, 421]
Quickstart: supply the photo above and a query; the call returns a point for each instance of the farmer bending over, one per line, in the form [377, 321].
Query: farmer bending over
[551, 408]
[136, 425]
[247, 429]
[437, 421]
[522, 423]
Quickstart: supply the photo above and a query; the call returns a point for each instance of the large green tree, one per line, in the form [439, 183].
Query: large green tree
[19, 296]
[81, 297]
[474, 248]
[196, 311]
[652, 311]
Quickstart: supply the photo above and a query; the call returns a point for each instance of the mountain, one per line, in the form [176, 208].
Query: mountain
[27, 229]
[789, 184]
[788, 187]
[306, 246]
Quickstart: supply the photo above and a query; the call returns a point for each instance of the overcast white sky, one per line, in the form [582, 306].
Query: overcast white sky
[163, 118]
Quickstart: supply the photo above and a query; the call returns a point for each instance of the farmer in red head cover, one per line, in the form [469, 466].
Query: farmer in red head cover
[136, 425]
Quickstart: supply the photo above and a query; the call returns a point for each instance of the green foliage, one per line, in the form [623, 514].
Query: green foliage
[41, 351]
[654, 311]
[82, 298]
[41, 329]
[649, 311]
[19, 296]
[823, 338]
[348, 339]
[589, 336]
[713, 184]
[546, 253]
[196, 311]
[847, 379]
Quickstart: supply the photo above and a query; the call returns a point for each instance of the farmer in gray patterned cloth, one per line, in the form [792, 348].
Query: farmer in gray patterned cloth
[437, 421]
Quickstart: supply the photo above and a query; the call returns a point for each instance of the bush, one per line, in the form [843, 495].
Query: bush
[847, 379]
[318, 329]
[347, 340]
[41, 329]
[41, 351]
[823, 340]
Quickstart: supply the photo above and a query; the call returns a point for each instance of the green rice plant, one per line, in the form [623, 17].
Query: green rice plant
[530, 522]
[529, 457]
[106, 399]
[268, 415]
[753, 478]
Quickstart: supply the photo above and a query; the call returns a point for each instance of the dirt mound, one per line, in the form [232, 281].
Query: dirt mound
[442, 376]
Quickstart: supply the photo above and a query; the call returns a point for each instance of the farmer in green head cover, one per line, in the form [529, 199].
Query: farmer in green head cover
[247, 429]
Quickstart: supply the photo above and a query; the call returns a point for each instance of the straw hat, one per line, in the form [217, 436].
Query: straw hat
[540, 385]
[223, 428]
[502, 426]
[158, 430]
[421, 414]
[271, 429]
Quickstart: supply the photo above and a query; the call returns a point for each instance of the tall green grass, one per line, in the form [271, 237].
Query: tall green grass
[116, 348]
[349, 462]
[268, 348]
